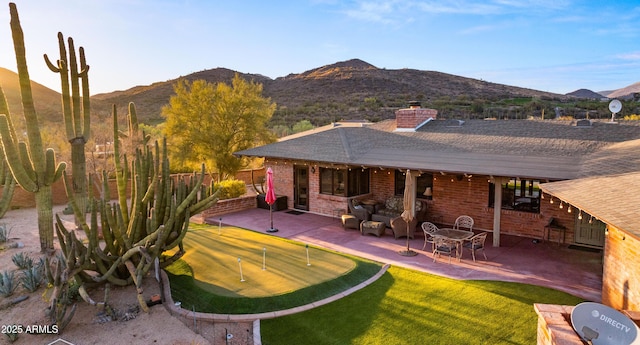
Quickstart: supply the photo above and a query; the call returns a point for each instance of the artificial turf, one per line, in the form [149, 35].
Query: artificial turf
[410, 307]
[208, 278]
[403, 307]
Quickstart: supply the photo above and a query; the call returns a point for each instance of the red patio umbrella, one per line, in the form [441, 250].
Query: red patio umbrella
[270, 198]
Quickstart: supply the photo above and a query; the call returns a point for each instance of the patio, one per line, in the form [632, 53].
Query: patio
[518, 259]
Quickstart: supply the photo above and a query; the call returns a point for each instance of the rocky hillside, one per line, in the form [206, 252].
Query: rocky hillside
[584, 93]
[625, 92]
[346, 90]
[47, 101]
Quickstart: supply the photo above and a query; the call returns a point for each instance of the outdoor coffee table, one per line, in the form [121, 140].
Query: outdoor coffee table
[458, 236]
[372, 227]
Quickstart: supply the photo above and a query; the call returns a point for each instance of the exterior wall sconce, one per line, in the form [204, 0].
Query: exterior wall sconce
[313, 169]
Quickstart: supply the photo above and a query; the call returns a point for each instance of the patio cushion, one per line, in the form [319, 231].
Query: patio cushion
[394, 206]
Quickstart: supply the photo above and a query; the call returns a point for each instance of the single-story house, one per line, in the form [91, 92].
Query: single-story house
[614, 200]
[491, 170]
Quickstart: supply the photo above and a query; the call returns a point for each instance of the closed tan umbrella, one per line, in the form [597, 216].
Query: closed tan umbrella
[409, 213]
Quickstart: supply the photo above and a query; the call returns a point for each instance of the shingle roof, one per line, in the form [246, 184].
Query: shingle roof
[613, 199]
[546, 149]
[618, 158]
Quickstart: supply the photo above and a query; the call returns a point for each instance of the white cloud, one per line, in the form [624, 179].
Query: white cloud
[634, 56]
[387, 11]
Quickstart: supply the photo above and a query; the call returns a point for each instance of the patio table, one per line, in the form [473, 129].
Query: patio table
[456, 235]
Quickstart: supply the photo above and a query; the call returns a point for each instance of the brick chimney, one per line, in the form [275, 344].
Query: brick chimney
[408, 120]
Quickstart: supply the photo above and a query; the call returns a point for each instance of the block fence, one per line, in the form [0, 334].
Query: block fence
[24, 199]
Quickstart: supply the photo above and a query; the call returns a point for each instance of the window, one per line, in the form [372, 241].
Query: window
[344, 182]
[424, 181]
[520, 195]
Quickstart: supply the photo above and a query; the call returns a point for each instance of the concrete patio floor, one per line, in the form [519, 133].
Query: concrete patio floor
[518, 259]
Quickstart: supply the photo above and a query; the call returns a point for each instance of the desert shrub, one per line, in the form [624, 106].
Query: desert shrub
[7, 283]
[230, 188]
[22, 260]
[4, 233]
[32, 278]
[632, 117]
[12, 336]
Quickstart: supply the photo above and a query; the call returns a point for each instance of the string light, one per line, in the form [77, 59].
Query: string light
[561, 206]
[591, 220]
[569, 209]
[551, 200]
[580, 215]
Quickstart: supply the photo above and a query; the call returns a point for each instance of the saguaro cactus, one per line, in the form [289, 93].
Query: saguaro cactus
[6, 178]
[32, 167]
[76, 114]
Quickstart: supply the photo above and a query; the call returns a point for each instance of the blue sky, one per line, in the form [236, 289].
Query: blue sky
[549, 45]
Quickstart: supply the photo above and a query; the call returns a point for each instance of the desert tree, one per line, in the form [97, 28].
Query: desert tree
[208, 122]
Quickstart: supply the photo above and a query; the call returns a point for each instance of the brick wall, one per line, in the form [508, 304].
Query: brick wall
[554, 324]
[229, 205]
[282, 179]
[452, 197]
[412, 117]
[621, 270]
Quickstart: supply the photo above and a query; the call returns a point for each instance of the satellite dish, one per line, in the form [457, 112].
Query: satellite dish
[599, 324]
[615, 106]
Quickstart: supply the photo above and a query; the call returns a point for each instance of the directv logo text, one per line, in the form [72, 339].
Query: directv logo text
[615, 323]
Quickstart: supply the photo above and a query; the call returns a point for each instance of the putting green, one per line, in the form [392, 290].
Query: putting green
[212, 254]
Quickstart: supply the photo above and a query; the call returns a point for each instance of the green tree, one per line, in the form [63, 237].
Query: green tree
[281, 130]
[303, 125]
[208, 122]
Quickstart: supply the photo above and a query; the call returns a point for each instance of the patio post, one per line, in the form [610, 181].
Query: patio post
[497, 207]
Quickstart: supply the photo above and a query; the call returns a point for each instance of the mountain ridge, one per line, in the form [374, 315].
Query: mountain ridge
[347, 90]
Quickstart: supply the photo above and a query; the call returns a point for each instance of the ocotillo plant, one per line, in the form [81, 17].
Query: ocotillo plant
[134, 236]
[76, 112]
[32, 167]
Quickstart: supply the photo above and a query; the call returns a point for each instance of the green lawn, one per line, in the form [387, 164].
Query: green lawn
[411, 307]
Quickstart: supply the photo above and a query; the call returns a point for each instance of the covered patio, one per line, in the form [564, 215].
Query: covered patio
[518, 259]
